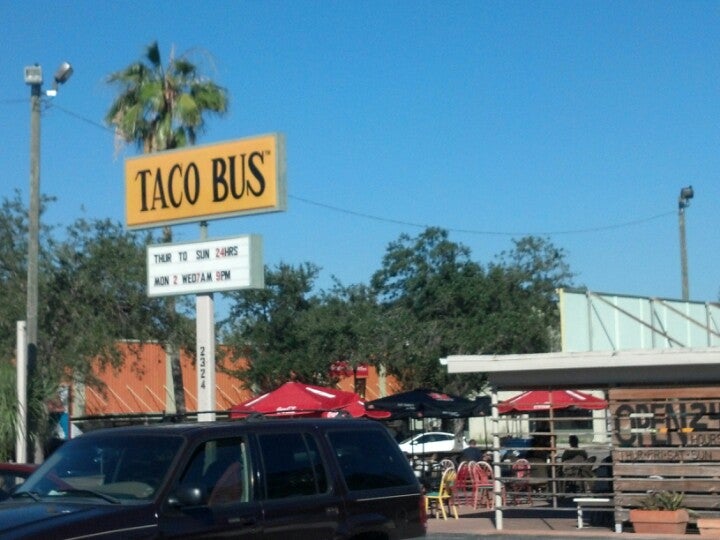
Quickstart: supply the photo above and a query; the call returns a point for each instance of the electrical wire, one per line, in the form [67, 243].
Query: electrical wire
[480, 232]
[587, 230]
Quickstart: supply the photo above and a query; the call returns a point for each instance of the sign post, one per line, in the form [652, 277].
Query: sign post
[245, 176]
[202, 268]
[205, 354]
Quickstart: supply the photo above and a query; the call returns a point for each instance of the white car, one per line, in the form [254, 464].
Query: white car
[430, 443]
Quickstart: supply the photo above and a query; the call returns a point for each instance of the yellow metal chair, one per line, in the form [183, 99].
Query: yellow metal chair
[437, 500]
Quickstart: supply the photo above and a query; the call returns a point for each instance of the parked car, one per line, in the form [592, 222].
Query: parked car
[432, 442]
[513, 448]
[12, 475]
[257, 478]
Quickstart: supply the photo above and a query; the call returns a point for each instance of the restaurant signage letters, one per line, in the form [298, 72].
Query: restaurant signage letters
[203, 267]
[666, 423]
[245, 176]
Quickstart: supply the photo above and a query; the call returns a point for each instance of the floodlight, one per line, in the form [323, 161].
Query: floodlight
[63, 73]
[33, 74]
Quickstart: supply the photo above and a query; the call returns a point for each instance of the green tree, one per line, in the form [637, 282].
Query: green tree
[92, 291]
[13, 276]
[94, 295]
[13, 287]
[342, 328]
[8, 410]
[285, 332]
[266, 328]
[97, 296]
[160, 108]
[527, 278]
[445, 303]
[428, 300]
[431, 290]
[163, 107]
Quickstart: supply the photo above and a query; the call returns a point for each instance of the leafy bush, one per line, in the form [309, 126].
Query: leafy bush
[8, 410]
[663, 500]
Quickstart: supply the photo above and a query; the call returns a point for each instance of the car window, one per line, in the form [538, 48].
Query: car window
[122, 469]
[220, 468]
[293, 465]
[370, 460]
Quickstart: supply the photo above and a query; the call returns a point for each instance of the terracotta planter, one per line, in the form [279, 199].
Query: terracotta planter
[659, 521]
[709, 527]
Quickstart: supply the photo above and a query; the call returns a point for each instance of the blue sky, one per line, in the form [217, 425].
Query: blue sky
[579, 121]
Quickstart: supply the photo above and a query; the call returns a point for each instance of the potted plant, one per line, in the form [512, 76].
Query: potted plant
[661, 512]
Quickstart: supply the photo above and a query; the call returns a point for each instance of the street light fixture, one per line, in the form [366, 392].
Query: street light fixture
[34, 78]
[686, 194]
[63, 73]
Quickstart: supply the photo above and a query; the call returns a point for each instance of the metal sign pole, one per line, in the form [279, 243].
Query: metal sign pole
[205, 353]
[205, 329]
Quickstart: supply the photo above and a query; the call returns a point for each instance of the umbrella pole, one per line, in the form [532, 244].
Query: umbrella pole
[498, 486]
[553, 455]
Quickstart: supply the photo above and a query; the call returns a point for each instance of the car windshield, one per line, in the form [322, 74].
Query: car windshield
[108, 469]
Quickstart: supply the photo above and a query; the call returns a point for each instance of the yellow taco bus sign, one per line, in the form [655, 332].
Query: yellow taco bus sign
[246, 176]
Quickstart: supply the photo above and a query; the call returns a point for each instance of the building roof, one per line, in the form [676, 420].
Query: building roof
[593, 369]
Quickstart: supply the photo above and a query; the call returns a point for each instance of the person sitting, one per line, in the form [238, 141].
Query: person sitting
[573, 467]
[573, 452]
[471, 453]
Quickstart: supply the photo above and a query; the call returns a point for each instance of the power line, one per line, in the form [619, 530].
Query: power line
[372, 217]
[84, 119]
[479, 232]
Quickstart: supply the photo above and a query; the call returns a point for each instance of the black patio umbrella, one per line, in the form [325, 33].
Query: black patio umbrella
[425, 403]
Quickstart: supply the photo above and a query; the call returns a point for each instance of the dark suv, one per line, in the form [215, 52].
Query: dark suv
[251, 479]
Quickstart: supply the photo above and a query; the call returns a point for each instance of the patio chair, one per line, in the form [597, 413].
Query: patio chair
[519, 484]
[539, 475]
[462, 488]
[436, 501]
[484, 484]
[577, 474]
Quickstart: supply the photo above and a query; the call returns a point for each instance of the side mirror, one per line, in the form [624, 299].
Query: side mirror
[187, 496]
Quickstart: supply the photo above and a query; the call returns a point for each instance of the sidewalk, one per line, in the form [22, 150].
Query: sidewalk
[527, 523]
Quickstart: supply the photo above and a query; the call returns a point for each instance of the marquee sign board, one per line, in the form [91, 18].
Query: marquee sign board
[246, 176]
[203, 267]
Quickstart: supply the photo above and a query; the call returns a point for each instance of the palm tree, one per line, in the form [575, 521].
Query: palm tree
[160, 108]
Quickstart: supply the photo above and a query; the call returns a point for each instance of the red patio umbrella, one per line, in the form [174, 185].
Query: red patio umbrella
[298, 399]
[543, 400]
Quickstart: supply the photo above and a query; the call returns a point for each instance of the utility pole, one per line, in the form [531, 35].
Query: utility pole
[686, 194]
[34, 78]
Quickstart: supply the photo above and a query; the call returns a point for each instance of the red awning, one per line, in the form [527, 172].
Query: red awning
[543, 400]
[298, 399]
